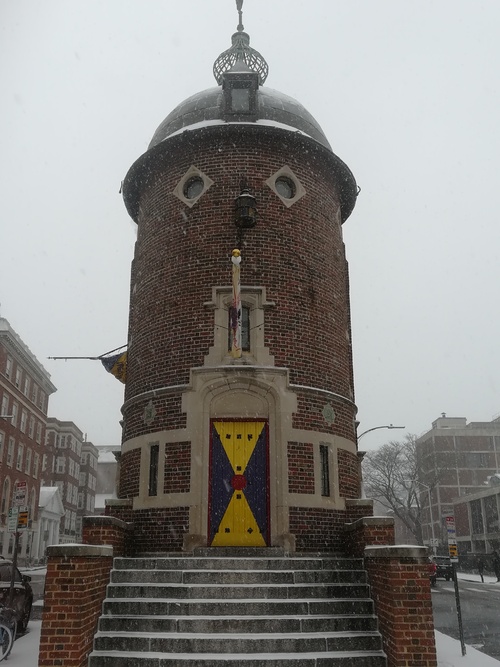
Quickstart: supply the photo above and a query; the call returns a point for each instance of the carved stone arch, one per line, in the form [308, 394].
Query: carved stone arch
[253, 393]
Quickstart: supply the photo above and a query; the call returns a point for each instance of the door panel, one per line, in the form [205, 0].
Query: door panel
[239, 484]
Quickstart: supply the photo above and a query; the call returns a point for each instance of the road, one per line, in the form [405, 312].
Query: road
[480, 604]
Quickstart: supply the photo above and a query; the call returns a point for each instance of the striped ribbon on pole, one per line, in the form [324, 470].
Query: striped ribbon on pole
[236, 306]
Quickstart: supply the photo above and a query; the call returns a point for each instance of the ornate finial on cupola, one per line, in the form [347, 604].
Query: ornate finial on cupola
[239, 7]
[240, 52]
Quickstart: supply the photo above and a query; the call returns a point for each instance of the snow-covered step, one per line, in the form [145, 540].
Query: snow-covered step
[277, 642]
[238, 624]
[326, 659]
[144, 606]
[237, 576]
[238, 591]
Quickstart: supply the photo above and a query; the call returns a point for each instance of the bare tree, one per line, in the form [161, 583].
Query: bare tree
[390, 476]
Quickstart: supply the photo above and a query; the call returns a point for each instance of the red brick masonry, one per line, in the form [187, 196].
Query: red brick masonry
[400, 587]
[75, 586]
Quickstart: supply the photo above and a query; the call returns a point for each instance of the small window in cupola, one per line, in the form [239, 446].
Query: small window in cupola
[240, 93]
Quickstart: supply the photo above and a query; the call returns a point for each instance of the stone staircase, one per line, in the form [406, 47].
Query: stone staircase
[238, 607]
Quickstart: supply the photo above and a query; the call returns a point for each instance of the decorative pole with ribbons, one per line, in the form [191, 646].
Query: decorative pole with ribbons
[236, 306]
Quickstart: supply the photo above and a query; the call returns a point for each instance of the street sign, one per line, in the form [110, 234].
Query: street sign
[20, 492]
[434, 542]
[22, 518]
[13, 512]
[452, 538]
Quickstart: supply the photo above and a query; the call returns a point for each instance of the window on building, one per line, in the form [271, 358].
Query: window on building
[5, 404]
[60, 465]
[476, 517]
[15, 411]
[245, 327]
[8, 367]
[20, 456]
[69, 492]
[81, 501]
[39, 432]
[153, 469]
[491, 513]
[26, 386]
[5, 496]
[31, 427]
[36, 465]
[2, 443]
[24, 420]
[27, 463]
[325, 469]
[17, 380]
[82, 479]
[74, 497]
[10, 452]
[44, 462]
[34, 392]
[41, 399]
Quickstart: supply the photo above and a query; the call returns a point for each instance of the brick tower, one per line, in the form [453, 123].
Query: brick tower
[239, 414]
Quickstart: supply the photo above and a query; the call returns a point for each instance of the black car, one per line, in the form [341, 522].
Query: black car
[22, 599]
[444, 568]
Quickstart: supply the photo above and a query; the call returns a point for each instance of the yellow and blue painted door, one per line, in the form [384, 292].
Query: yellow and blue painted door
[239, 484]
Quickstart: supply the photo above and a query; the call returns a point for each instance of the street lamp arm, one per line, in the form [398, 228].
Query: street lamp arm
[389, 426]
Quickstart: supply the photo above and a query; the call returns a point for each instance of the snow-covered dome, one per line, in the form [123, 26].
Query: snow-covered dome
[207, 106]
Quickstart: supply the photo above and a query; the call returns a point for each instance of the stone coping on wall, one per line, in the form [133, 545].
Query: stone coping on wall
[118, 502]
[359, 502]
[79, 550]
[107, 521]
[369, 521]
[396, 551]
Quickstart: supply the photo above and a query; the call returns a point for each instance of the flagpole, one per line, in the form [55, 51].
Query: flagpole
[236, 306]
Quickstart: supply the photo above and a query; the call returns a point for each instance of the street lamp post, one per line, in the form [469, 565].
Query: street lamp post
[375, 428]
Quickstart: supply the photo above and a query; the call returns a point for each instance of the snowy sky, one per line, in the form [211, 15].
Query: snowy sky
[407, 94]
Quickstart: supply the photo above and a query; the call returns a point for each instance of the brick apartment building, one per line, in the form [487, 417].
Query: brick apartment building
[73, 471]
[25, 387]
[87, 484]
[455, 460]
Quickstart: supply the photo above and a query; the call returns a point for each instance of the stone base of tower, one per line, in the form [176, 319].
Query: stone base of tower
[249, 460]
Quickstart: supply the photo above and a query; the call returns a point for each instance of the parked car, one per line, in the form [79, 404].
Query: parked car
[444, 568]
[432, 572]
[22, 600]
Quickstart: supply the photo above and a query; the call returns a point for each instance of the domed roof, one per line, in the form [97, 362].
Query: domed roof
[207, 107]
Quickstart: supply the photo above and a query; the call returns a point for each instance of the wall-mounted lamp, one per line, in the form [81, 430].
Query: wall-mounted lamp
[246, 210]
